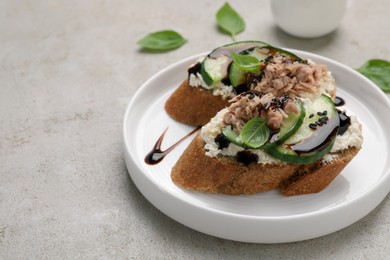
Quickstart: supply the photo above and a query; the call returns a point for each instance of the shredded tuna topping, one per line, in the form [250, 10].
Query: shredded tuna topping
[283, 76]
[255, 104]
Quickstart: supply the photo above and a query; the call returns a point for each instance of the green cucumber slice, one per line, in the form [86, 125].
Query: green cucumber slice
[309, 144]
[232, 136]
[237, 47]
[288, 155]
[321, 104]
[275, 50]
[289, 126]
[214, 70]
[214, 67]
[238, 77]
[262, 52]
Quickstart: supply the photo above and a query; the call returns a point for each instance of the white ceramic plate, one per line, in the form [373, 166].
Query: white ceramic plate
[266, 217]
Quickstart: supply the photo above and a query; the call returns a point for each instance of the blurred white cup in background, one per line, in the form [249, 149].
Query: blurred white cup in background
[308, 18]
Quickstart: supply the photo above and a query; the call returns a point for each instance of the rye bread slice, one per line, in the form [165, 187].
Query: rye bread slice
[196, 171]
[193, 105]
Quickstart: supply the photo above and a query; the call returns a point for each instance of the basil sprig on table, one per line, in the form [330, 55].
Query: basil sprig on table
[230, 21]
[378, 71]
[162, 41]
[227, 18]
[255, 133]
[246, 62]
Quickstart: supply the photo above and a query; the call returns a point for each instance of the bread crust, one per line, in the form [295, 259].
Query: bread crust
[196, 171]
[193, 105]
[315, 177]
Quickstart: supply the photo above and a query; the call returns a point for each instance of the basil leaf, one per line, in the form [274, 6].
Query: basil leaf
[255, 133]
[229, 20]
[246, 62]
[379, 72]
[162, 40]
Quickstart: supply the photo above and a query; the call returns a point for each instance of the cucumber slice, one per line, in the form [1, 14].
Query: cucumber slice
[237, 47]
[261, 53]
[232, 136]
[288, 155]
[289, 126]
[321, 104]
[314, 138]
[214, 70]
[275, 50]
[215, 66]
[236, 75]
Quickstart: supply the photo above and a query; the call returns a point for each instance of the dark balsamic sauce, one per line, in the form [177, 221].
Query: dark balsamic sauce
[253, 79]
[320, 139]
[338, 101]
[246, 157]
[241, 89]
[221, 141]
[320, 146]
[195, 68]
[226, 81]
[345, 122]
[247, 51]
[156, 155]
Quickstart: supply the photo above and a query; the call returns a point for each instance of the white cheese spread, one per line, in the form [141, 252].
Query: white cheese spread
[218, 89]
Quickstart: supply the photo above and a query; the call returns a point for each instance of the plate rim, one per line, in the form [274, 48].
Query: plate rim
[385, 178]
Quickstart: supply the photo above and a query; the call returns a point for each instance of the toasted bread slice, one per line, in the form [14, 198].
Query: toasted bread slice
[193, 105]
[196, 171]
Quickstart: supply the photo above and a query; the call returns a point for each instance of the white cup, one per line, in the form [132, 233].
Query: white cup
[308, 18]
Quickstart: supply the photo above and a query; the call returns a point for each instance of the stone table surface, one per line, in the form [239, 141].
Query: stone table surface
[67, 72]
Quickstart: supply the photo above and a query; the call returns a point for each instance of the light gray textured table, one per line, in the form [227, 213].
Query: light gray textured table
[67, 72]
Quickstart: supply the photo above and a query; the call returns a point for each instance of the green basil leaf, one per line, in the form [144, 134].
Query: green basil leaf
[162, 40]
[246, 62]
[229, 20]
[255, 133]
[378, 71]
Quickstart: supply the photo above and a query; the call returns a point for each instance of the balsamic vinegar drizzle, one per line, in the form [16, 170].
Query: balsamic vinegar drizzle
[345, 121]
[320, 140]
[195, 68]
[156, 155]
[338, 102]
